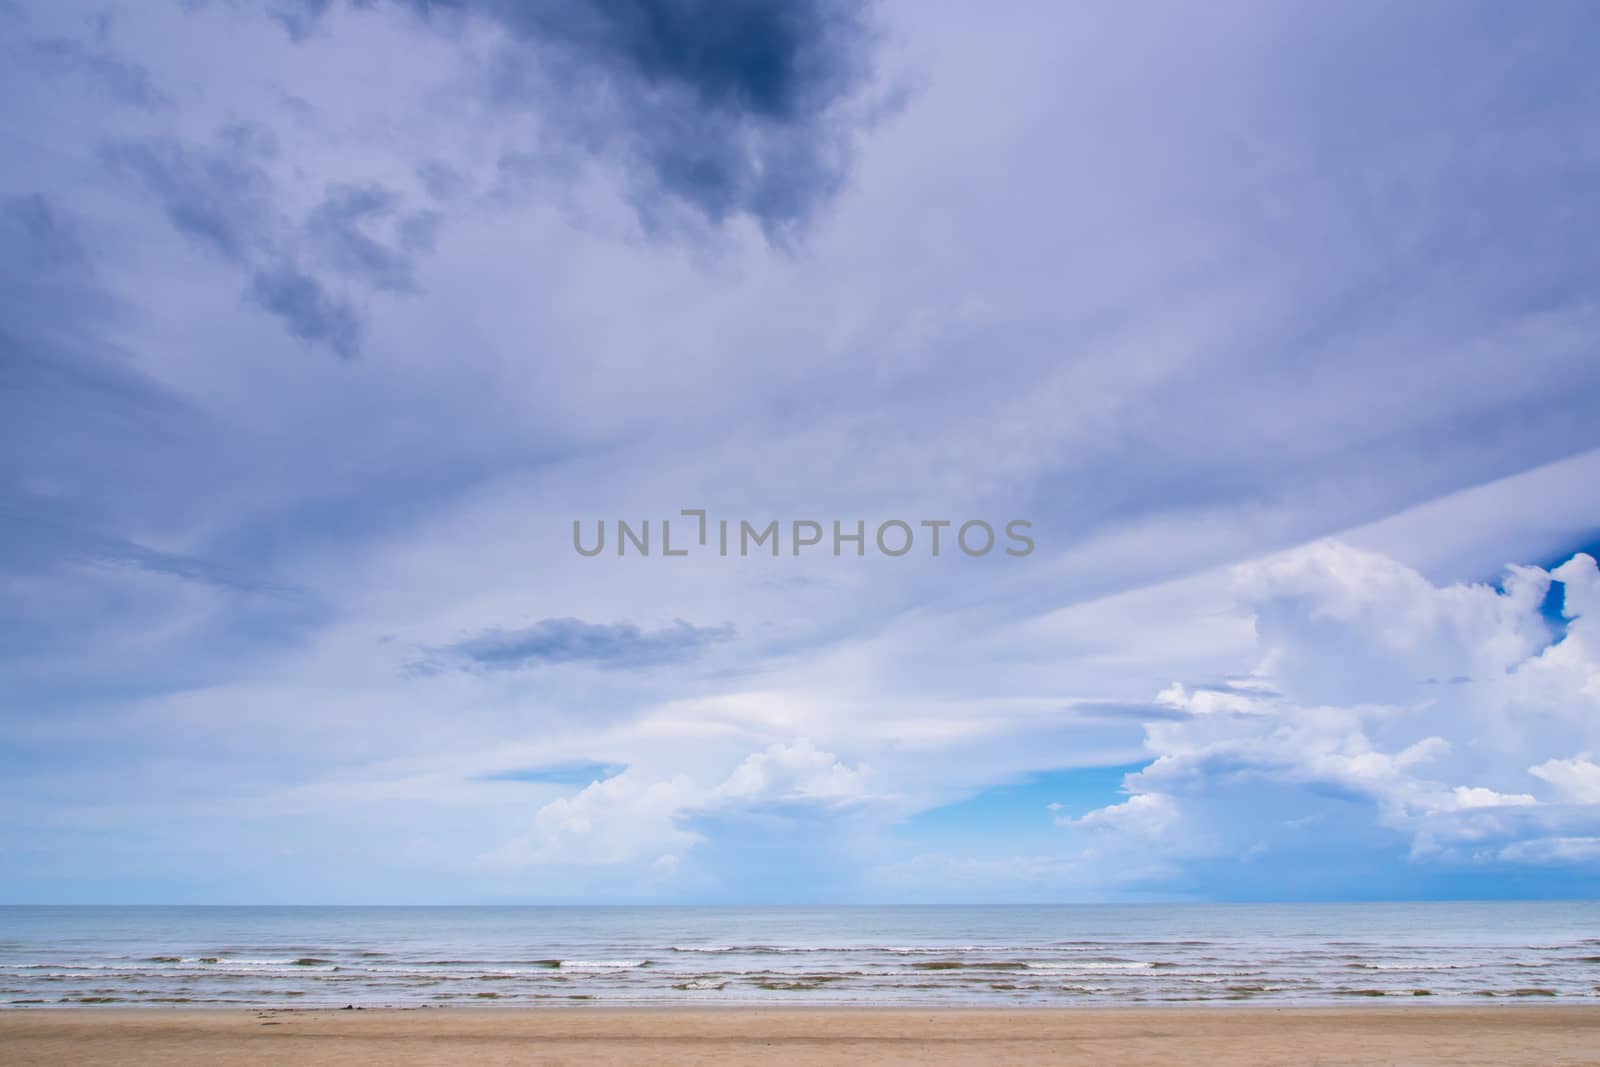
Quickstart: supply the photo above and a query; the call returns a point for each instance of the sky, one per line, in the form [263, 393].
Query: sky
[322, 322]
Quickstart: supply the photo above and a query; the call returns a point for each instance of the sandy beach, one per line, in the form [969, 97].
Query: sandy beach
[1220, 1037]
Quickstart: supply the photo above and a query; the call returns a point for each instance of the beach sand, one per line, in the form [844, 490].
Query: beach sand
[599, 1037]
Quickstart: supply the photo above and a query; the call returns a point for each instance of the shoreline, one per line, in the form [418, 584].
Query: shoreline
[1359, 1005]
[804, 1036]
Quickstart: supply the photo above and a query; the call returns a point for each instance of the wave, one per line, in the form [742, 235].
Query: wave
[1412, 966]
[786, 950]
[965, 957]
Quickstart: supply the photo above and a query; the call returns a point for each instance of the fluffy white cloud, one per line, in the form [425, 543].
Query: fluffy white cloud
[1448, 714]
[1145, 814]
[637, 819]
[1578, 778]
[1553, 850]
[625, 819]
[796, 772]
[1467, 796]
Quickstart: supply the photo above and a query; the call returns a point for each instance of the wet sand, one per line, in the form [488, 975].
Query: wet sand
[601, 1037]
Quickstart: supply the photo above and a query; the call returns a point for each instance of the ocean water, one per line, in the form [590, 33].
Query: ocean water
[1088, 955]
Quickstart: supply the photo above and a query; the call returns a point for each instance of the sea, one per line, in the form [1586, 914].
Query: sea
[1091, 955]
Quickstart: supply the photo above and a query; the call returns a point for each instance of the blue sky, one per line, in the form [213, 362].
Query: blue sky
[322, 321]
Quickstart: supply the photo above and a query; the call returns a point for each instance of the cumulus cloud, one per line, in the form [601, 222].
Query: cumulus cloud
[1144, 814]
[624, 819]
[1469, 796]
[1324, 607]
[1577, 779]
[792, 773]
[1553, 851]
[643, 818]
[1343, 721]
[1580, 580]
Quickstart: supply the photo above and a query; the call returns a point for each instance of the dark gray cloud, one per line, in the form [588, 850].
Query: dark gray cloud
[298, 17]
[223, 197]
[339, 226]
[419, 231]
[122, 80]
[307, 311]
[442, 181]
[220, 195]
[570, 640]
[42, 250]
[731, 108]
[726, 109]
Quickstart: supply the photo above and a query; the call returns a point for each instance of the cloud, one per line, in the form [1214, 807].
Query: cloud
[1325, 605]
[221, 195]
[623, 819]
[664, 821]
[1554, 851]
[584, 772]
[1122, 711]
[1344, 721]
[299, 18]
[1578, 778]
[69, 400]
[1145, 814]
[570, 640]
[1273, 312]
[1580, 576]
[225, 198]
[124, 81]
[790, 774]
[307, 311]
[730, 109]
[1466, 796]
[339, 228]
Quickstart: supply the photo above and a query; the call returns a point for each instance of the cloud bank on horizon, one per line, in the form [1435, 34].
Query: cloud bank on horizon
[323, 321]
